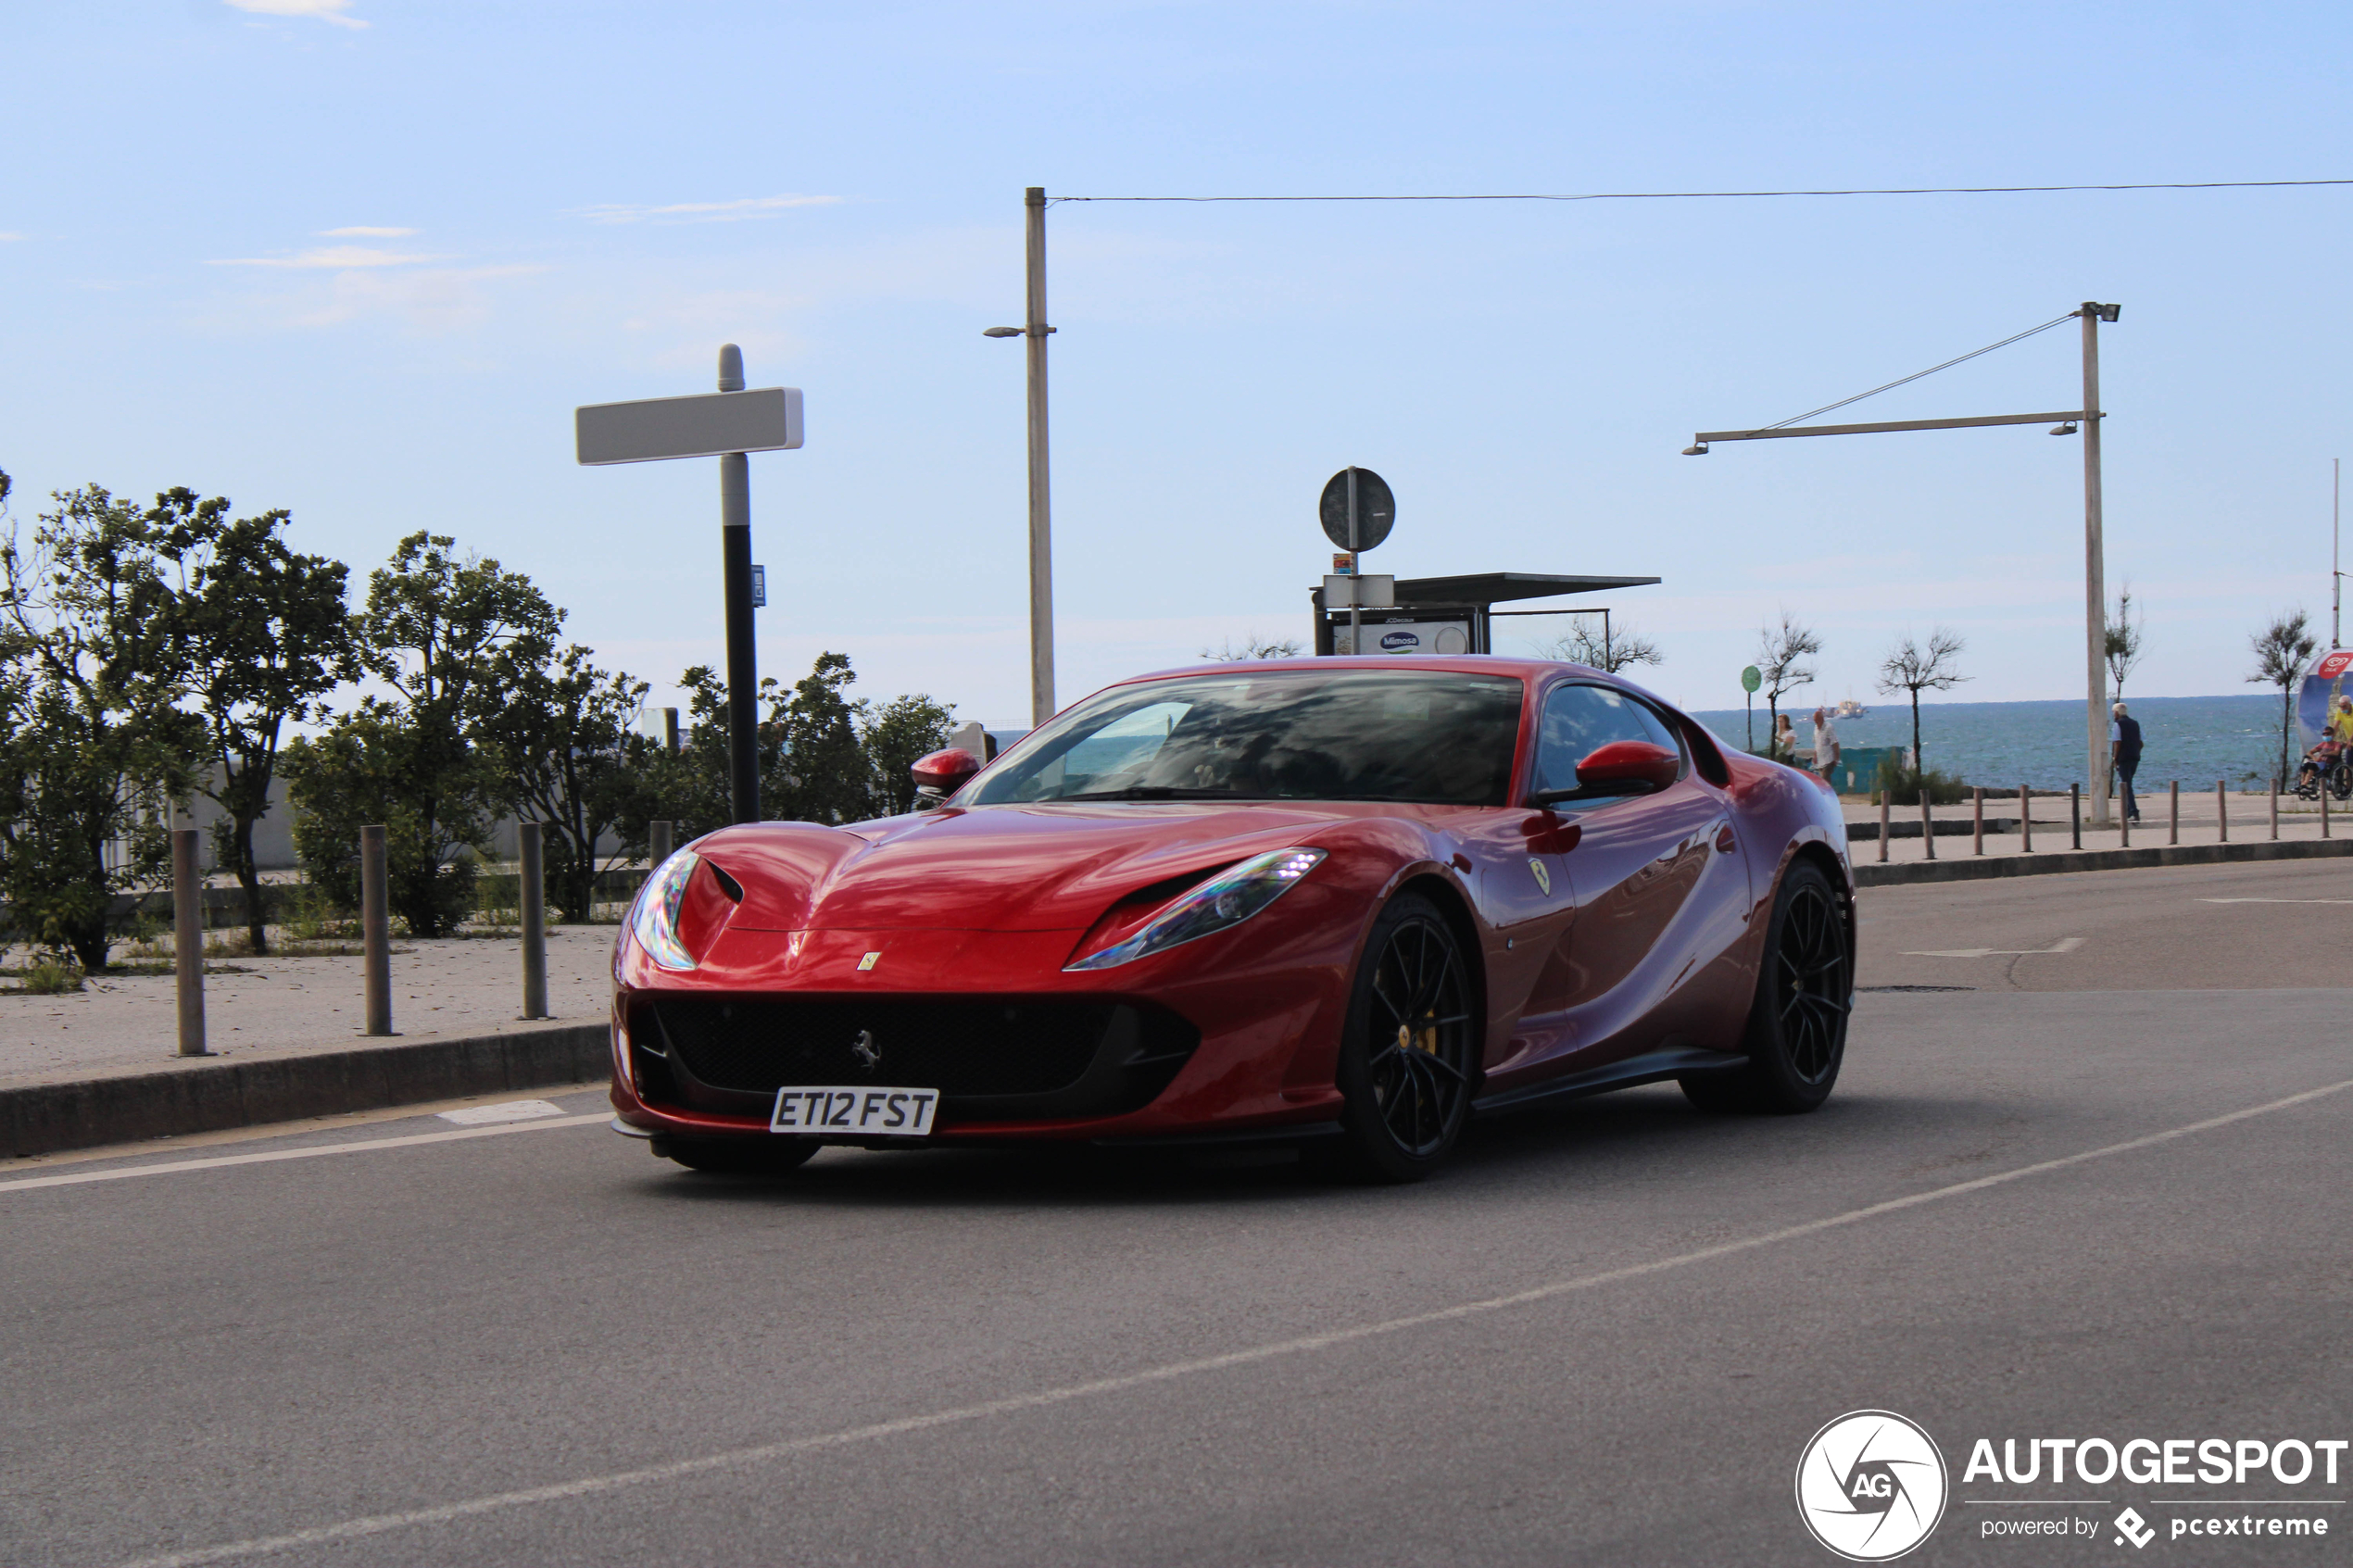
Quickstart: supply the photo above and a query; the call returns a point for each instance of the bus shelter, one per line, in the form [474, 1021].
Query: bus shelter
[1447, 615]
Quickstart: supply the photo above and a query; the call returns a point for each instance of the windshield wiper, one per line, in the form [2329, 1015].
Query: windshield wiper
[1160, 792]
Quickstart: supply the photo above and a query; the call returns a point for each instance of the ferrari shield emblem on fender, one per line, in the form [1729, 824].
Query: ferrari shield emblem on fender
[868, 962]
[1543, 877]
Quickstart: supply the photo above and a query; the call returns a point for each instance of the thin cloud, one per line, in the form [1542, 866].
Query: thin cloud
[700, 212]
[7, 236]
[361, 231]
[322, 10]
[338, 257]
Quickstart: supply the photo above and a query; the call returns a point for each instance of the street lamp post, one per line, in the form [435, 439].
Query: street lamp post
[1041, 550]
[2088, 420]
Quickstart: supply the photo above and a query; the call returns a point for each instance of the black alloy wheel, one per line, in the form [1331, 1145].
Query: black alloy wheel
[1411, 1052]
[1796, 1036]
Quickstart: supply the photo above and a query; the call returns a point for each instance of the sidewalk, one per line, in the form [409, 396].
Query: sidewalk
[2155, 840]
[463, 987]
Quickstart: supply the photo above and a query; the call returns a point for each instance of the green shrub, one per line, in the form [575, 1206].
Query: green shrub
[51, 977]
[1903, 786]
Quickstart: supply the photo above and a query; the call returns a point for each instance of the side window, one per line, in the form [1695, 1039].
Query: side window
[1579, 719]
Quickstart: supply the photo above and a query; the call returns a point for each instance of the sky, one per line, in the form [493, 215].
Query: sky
[360, 259]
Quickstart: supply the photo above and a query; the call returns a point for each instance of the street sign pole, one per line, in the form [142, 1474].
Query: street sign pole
[1355, 567]
[728, 427]
[743, 654]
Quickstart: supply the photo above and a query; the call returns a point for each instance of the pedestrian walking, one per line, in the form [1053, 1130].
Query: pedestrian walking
[1784, 743]
[2124, 745]
[1825, 744]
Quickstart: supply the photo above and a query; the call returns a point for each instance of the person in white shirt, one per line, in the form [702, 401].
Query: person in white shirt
[1825, 743]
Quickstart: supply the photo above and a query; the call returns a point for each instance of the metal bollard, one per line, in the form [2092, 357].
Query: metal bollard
[375, 929]
[533, 898]
[2275, 806]
[2124, 821]
[2325, 807]
[1977, 803]
[1928, 826]
[2222, 812]
[2173, 823]
[188, 939]
[658, 847]
[2026, 818]
[2075, 812]
[1884, 795]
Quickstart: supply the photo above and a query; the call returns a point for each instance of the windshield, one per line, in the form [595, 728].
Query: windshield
[1303, 734]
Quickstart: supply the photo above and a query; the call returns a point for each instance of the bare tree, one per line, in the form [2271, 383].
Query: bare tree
[1582, 643]
[2281, 650]
[1252, 646]
[2123, 641]
[1781, 653]
[1911, 668]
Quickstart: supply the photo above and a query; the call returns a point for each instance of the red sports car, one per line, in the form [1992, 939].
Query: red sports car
[1345, 900]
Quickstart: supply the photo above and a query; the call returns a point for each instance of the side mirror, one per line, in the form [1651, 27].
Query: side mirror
[1623, 767]
[942, 774]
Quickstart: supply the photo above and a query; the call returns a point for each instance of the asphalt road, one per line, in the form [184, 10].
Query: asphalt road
[1606, 1335]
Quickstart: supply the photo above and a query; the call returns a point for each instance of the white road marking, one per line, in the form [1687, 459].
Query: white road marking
[509, 1110]
[2276, 901]
[308, 1152]
[2064, 945]
[739, 1458]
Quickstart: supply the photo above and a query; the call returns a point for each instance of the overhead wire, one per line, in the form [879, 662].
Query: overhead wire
[1715, 195]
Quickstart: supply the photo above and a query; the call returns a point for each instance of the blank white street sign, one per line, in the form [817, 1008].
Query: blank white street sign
[764, 420]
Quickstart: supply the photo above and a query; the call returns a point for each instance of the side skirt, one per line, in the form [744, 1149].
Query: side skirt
[1669, 1061]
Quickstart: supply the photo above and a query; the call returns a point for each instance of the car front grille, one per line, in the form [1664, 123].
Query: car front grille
[1011, 1058]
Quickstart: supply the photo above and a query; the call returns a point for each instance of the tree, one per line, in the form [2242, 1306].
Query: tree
[1781, 653]
[94, 751]
[2123, 641]
[446, 634]
[1252, 646]
[894, 735]
[1583, 644]
[831, 778]
[2282, 651]
[263, 635]
[561, 745]
[1911, 669]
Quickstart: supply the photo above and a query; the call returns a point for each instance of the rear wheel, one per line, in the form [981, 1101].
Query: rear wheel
[1797, 1026]
[743, 1156]
[1411, 1049]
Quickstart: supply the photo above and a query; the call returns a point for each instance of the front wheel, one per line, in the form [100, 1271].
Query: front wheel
[1411, 1049]
[1796, 1036]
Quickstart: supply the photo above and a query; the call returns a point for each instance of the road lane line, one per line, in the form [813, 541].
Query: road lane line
[739, 1458]
[2064, 945]
[308, 1152]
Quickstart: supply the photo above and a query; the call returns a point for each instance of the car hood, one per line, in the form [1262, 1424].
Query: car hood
[992, 867]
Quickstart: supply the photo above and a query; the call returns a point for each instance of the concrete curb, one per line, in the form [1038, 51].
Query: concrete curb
[1979, 869]
[204, 1098]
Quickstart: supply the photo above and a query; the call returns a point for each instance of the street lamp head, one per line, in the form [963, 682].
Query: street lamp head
[2105, 312]
[1698, 451]
[2067, 429]
[1000, 332]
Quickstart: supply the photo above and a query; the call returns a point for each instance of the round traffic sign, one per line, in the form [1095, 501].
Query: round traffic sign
[1750, 679]
[1376, 510]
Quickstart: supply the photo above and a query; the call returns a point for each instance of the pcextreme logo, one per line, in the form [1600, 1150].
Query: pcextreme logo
[1870, 1486]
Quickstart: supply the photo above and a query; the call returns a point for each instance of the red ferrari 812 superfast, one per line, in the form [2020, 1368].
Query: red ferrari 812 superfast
[1340, 902]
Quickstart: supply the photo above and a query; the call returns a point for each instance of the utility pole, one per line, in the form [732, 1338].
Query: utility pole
[2094, 568]
[1041, 549]
[2336, 577]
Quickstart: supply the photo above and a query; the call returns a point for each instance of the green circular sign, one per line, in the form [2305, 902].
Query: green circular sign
[1750, 679]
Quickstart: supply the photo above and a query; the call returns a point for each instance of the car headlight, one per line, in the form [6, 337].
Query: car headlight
[1226, 899]
[654, 920]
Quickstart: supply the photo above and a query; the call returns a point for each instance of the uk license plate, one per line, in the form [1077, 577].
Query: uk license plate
[862, 1111]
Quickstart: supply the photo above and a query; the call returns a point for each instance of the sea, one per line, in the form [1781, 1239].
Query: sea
[2195, 739]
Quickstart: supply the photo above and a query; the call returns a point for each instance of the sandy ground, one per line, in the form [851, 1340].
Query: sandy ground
[456, 986]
